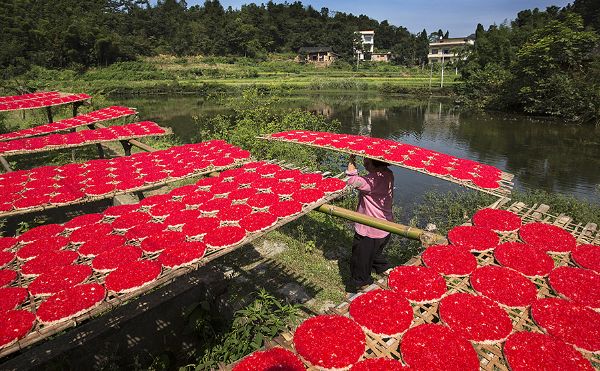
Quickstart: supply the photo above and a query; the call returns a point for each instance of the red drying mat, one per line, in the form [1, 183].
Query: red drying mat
[504, 285]
[530, 351]
[417, 284]
[436, 347]
[330, 342]
[70, 303]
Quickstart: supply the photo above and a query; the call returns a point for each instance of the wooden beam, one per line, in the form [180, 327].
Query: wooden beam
[49, 113]
[135, 143]
[5, 165]
[98, 145]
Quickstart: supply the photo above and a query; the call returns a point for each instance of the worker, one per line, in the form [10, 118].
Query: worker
[375, 199]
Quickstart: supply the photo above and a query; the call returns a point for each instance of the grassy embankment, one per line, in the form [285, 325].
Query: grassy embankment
[213, 75]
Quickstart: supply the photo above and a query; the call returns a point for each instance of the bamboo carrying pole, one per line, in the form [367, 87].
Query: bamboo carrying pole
[413, 233]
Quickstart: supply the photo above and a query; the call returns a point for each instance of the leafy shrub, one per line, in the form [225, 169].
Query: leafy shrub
[257, 114]
[486, 87]
[258, 322]
[37, 74]
[580, 211]
[447, 210]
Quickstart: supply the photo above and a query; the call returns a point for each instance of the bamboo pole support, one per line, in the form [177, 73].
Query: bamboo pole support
[5, 165]
[134, 142]
[413, 233]
[98, 145]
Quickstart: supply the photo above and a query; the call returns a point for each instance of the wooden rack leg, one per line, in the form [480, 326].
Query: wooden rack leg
[49, 113]
[76, 106]
[5, 164]
[126, 147]
[98, 145]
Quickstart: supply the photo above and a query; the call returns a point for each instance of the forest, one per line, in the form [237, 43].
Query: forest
[81, 34]
[542, 63]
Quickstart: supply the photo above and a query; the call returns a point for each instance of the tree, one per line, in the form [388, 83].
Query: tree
[589, 10]
[422, 47]
[550, 69]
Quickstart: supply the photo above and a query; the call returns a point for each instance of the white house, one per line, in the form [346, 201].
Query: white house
[368, 44]
[448, 50]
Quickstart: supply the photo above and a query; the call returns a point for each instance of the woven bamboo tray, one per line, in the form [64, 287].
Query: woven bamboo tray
[74, 126]
[505, 189]
[41, 332]
[61, 95]
[490, 355]
[167, 131]
[87, 199]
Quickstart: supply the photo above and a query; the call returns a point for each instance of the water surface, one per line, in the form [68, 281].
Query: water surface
[541, 153]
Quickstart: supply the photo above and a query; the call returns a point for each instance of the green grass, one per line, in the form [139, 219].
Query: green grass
[166, 74]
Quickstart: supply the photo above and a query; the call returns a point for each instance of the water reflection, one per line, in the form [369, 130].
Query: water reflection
[541, 153]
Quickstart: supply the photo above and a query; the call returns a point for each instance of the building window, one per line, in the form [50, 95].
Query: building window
[434, 51]
[446, 51]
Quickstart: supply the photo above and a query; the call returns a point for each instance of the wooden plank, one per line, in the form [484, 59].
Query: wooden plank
[5, 165]
[540, 211]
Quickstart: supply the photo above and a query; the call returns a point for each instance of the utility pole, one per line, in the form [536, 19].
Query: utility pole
[442, 82]
[442, 50]
[430, 76]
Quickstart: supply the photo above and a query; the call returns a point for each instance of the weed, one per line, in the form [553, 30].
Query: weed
[258, 322]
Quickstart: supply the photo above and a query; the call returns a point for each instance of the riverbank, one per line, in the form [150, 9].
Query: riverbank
[208, 76]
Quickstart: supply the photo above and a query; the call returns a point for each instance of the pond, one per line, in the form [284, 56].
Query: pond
[541, 153]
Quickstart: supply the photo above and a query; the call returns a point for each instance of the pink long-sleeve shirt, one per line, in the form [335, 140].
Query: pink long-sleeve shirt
[375, 198]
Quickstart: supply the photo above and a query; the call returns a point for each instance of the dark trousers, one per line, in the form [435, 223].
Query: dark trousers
[367, 255]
